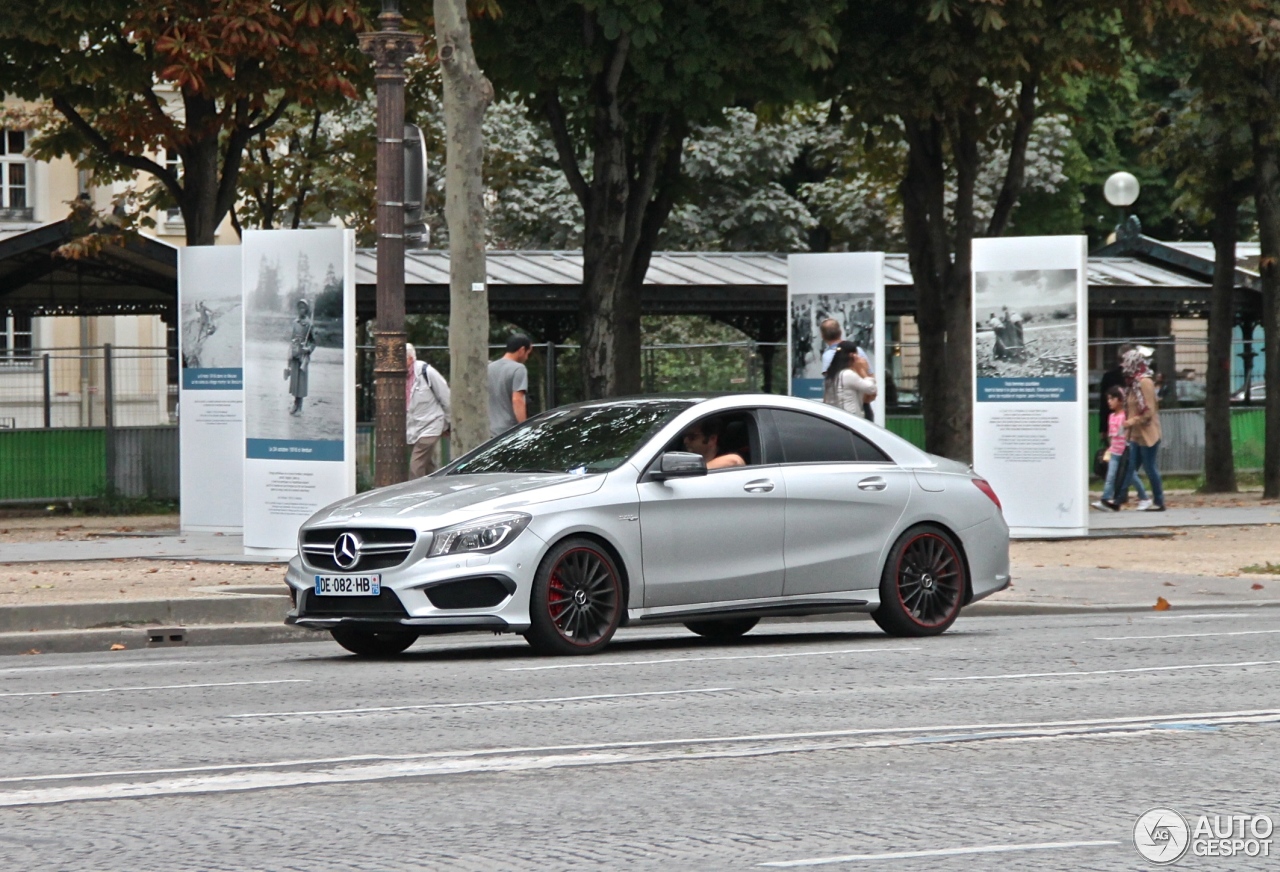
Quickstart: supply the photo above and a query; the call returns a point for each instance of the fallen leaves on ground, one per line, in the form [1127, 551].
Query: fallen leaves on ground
[117, 647]
[1162, 604]
[32, 651]
[1255, 586]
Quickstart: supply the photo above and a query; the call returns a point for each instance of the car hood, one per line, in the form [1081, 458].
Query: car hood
[429, 502]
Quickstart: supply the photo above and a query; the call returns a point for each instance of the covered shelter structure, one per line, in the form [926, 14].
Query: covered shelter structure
[1136, 284]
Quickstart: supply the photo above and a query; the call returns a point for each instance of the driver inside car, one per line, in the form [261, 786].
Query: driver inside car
[704, 438]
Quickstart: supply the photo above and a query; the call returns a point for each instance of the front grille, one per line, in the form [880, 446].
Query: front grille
[384, 605]
[470, 593]
[380, 548]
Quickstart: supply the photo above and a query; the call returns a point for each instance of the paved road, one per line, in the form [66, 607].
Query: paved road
[806, 742]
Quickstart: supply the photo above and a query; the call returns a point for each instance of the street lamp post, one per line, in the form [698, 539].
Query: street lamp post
[1121, 190]
[390, 47]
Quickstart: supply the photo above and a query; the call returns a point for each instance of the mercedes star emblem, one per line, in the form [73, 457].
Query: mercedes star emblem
[346, 551]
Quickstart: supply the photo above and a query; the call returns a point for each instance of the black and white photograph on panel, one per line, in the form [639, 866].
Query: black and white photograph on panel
[854, 312]
[211, 327]
[293, 360]
[1026, 323]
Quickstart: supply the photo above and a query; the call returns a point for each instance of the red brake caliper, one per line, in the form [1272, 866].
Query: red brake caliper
[555, 595]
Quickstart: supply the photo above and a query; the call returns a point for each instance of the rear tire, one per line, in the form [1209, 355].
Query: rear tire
[373, 643]
[923, 583]
[722, 630]
[576, 603]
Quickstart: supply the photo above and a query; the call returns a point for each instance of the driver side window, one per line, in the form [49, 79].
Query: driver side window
[726, 434]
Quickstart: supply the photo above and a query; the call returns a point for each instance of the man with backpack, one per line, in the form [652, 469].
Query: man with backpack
[427, 413]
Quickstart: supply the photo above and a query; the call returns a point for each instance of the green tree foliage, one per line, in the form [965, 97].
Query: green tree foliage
[1233, 49]
[194, 78]
[621, 82]
[954, 80]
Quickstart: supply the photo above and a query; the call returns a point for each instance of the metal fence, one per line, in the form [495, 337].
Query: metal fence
[555, 376]
[88, 387]
[85, 422]
[1180, 361]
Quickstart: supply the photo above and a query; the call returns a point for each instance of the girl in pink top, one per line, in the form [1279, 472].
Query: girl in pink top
[1118, 436]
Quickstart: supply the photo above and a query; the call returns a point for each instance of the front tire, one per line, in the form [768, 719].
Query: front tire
[923, 584]
[724, 630]
[576, 603]
[373, 643]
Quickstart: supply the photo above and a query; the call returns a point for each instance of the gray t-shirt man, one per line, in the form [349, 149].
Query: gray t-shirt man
[506, 377]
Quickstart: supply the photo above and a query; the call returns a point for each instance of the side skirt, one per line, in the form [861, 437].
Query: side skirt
[749, 610]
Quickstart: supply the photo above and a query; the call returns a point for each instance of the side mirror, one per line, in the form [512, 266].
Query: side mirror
[679, 464]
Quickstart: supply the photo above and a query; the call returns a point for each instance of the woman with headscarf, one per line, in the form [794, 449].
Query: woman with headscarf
[301, 343]
[1142, 421]
[848, 382]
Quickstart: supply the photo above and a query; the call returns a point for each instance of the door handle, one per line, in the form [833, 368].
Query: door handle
[874, 483]
[759, 486]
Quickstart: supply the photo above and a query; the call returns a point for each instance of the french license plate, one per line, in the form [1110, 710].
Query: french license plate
[348, 585]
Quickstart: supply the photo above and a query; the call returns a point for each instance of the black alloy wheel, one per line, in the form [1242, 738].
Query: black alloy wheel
[723, 630]
[373, 643]
[576, 603]
[923, 584]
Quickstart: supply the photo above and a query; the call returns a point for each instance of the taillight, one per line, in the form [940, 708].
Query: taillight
[985, 486]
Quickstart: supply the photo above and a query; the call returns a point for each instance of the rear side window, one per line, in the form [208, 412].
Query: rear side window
[810, 439]
[867, 452]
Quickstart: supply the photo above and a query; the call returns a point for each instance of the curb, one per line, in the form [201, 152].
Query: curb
[234, 609]
[1001, 609]
[134, 638]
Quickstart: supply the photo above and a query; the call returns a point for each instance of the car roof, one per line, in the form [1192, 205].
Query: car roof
[902, 451]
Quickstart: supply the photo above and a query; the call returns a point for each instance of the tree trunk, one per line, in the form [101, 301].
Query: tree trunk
[943, 299]
[1266, 168]
[624, 206]
[467, 94]
[1219, 459]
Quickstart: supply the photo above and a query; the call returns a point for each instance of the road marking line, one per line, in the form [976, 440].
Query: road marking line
[1192, 617]
[1185, 635]
[608, 664]
[19, 670]
[1015, 675]
[949, 733]
[938, 852]
[482, 703]
[473, 763]
[158, 687]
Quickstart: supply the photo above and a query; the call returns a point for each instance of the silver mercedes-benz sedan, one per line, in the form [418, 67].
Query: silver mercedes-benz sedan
[708, 511]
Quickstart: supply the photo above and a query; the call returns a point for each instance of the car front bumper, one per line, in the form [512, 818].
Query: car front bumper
[446, 594]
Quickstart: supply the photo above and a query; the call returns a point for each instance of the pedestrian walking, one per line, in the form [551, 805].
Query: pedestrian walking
[509, 385]
[832, 336]
[1142, 421]
[1113, 377]
[848, 383]
[1119, 466]
[427, 412]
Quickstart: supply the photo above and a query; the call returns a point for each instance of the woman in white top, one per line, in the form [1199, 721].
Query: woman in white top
[848, 380]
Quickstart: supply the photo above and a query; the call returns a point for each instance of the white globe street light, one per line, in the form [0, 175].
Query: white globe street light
[1121, 189]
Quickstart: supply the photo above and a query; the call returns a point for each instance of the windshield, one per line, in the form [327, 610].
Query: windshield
[580, 440]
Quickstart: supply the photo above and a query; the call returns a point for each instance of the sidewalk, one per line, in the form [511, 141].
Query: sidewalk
[89, 587]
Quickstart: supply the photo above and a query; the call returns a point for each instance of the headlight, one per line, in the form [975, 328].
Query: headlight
[484, 535]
